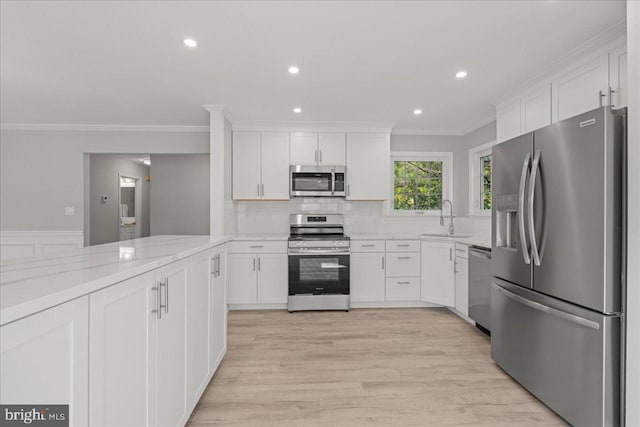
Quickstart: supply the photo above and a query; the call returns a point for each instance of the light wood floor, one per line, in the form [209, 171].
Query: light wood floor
[419, 367]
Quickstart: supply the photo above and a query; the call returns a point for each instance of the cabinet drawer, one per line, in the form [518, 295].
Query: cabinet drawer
[403, 245]
[403, 289]
[462, 251]
[367, 246]
[403, 264]
[258, 247]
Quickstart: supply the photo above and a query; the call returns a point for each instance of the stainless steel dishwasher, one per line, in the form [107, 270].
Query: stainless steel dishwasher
[480, 287]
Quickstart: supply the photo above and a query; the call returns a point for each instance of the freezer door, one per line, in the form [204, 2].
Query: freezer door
[568, 357]
[511, 164]
[578, 210]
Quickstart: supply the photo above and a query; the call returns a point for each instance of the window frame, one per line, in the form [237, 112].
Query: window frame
[475, 181]
[446, 157]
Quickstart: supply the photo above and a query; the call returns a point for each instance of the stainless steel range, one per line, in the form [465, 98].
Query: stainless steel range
[318, 262]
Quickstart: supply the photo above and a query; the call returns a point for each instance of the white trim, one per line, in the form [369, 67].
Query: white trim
[101, 128]
[220, 108]
[474, 155]
[310, 126]
[428, 132]
[14, 244]
[447, 179]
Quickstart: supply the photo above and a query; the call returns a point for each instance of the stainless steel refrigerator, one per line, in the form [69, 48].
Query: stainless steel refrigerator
[558, 248]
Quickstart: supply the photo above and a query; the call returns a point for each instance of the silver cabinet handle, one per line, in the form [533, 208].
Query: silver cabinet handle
[611, 92]
[165, 283]
[256, 246]
[404, 257]
[368, 246]
[262, 189]
[450, 254]
[315, 159]
[218, 266]
[157, 310]
[254, 263]
[320, 156]
[403, 283]
[258, 190]
[403, 245]
[600, 96]
[258, 263]
[383, 262]
[532, 190]
[520, 213]
[348, 189]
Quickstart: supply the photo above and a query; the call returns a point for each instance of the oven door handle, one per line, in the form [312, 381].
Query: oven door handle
[319, 253]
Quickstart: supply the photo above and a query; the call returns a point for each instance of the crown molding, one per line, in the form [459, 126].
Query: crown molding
[480, 124]
[310, 126]
[587, 51]
[220, 108]
[428, 132]
[101, 128]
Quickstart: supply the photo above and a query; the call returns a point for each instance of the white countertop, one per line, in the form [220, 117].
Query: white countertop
[249, 237]
[28, 285]
[484, 242]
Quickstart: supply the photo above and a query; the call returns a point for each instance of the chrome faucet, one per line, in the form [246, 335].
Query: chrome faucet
[450, 215]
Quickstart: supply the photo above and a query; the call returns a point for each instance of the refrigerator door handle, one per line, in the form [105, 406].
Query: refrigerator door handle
[532, 190]
[523, 238]
[552, 311]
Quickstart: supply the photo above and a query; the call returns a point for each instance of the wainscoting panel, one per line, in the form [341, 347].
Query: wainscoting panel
[15, 244]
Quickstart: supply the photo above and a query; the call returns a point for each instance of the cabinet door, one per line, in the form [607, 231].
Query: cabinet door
[536, 109]
[273, 278]
[437, 282]
[403, 264]
[618, 77]
[122, 352]
[462, 285]
[304, 148]
[275, 166]
[171, 357]
[246, 165]
[368, 166]
[218, 314]
[366, 277]
[332, 149]
[242, 279]
[508, 121]
[44, 359]
[198, 324]
[582, 90]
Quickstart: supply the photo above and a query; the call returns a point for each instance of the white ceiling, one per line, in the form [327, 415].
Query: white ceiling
[117, 62]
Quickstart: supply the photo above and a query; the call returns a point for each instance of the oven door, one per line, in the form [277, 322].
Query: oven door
[311, 184]
[318, 274]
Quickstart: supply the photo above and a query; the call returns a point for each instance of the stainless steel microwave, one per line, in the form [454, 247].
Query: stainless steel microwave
[317, 181]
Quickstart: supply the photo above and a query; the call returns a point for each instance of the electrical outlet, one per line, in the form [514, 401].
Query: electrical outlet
[69, 211]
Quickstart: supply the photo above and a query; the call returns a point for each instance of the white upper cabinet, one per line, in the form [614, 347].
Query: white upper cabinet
[260, 165]
[536, 109]
[318, 149]
[618, 77]
[508, 121]
[368, 166]
[332, 149]
[581, 90]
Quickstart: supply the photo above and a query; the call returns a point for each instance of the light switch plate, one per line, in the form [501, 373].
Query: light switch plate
[69, 211]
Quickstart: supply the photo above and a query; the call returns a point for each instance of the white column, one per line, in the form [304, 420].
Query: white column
[216, 170]
[633, 218]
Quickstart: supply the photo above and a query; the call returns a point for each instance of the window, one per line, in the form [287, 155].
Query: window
[480, 179]
[420, 181]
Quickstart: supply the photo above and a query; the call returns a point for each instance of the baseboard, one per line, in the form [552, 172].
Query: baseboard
[392, 304]
[25, 243]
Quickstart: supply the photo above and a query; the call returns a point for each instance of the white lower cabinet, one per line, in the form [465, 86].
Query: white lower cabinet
[437, 280]
[44, 359]
[257, 278]
[462, 279]
[218, 312]
[366, 276]
[403, 289]
[138, 350]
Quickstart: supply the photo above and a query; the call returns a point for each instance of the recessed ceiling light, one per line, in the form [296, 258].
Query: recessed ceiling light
[461, 74]
[190, 42]
[297, 110]
[417, 111]
[294, 70]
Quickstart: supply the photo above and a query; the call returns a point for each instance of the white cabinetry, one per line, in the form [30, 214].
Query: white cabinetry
[618, 77]
[508, 121]
[257, 273]
[44, 359]
[581, 90]
[218, 320]
[437, 282]
[462, 279]
[367, 271]
[536, 109]
[368, 166]
[138, 350]
[318, 149]
[403, 270]
[260, 165]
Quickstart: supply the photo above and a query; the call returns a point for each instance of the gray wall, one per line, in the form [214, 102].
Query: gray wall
[41, 172]
[180, 194]
[104, 217]
[460, 146]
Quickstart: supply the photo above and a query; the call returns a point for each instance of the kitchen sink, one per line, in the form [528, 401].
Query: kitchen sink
[444, 235]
